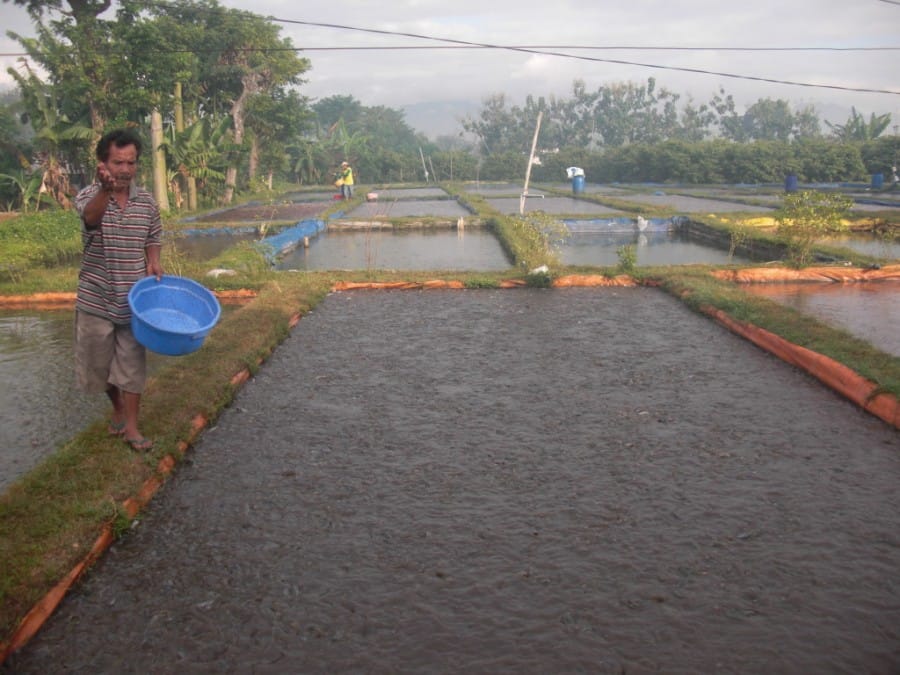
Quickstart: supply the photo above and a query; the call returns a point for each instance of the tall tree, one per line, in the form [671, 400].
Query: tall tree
[495, 127]
[768, 120]
[630, 113]
[331, 109]
[247, 59]
[276, 122]
[68, 50]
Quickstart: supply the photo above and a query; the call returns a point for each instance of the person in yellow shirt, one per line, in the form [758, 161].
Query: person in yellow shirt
[346, 178]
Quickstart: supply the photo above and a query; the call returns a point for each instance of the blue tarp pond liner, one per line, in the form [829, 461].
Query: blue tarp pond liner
[288, 239]
[217, 231]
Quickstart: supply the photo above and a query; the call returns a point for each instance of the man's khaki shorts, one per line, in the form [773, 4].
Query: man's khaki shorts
[107, 354]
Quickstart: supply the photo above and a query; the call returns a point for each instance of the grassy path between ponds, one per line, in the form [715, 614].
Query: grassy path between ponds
[59, 517]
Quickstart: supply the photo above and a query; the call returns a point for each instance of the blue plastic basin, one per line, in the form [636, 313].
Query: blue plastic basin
[172, 316]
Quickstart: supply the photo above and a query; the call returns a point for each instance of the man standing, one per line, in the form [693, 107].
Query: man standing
[121, 237]
[347, 180]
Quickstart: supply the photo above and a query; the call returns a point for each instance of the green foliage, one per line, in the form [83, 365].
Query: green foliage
[532, 240]
[201, 151]
[718, 161]
[544, 235]
[741, 233]
[14, 151]
[37, 240]
[539, 278]
[806, 217]
[26, 189]
[856, 128]
[619, 115]
[825, 161]
[881, 155]
[627, 256]
[246, 259]
[481, 282]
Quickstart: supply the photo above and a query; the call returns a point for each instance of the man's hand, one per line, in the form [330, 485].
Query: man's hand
[154, 263]
[105, 178]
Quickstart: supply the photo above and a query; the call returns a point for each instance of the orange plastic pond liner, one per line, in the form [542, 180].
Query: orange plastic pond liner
[839, 377]
[593, 280]
[831, 274]
[67, 300]
[38, 301]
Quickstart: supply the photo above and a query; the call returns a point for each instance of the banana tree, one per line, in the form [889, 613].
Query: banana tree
[28, 185]
[340, 145]
[199, 152]
[54, 135]
[305, 159]
[858, 129]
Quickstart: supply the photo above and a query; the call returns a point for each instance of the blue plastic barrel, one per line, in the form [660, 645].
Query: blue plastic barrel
[790, 183]
[877, 181]
[577, 184]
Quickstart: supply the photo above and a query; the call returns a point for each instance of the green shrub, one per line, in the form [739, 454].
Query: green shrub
[627, 258]
[41, 239]
[806, 217]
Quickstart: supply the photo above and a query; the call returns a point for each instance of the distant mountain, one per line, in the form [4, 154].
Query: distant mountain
[439, 118]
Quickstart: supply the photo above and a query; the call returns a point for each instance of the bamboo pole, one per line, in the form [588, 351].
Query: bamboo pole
[537, 129]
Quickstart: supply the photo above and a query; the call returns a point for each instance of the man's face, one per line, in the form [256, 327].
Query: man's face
[122, 164]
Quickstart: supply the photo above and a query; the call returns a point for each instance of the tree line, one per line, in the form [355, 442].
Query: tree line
[217, 93]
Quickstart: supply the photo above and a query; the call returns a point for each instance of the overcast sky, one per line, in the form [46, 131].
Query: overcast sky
[398, 78]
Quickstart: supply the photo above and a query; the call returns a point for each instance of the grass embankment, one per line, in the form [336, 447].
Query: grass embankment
[53, 515]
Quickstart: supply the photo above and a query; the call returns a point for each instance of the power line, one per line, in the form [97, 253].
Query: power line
[545, 52]
[516, 47]
[552, 50]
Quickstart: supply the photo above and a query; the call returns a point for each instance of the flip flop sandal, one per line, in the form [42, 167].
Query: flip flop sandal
[140, 444]
[116, 428]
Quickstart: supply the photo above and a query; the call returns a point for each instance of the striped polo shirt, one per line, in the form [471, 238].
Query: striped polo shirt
[113, 257]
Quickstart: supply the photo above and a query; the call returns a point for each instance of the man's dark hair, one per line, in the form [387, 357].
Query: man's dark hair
[120, 138]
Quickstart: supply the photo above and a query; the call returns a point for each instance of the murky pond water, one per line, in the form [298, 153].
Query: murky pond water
[400, 249]
[207, 245]
[870, 311]
[40, 406]
[525, 481]
[388, 194]
[886, 247]
[397, 208]
[551, 205]
[653, 248]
